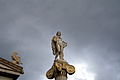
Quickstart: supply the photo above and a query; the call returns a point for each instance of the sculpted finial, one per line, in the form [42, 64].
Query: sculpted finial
[16, 59]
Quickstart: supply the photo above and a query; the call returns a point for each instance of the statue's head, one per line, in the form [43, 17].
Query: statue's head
[58, 33]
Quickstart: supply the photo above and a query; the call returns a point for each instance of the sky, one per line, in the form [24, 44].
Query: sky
[90, 27]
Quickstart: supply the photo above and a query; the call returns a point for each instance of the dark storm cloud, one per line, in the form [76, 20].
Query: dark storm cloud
[91, 28]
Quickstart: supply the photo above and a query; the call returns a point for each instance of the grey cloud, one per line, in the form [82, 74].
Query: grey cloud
[91, 28]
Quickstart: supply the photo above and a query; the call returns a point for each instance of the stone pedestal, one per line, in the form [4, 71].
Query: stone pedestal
[61, 77]
[59, 70]
[9, 70]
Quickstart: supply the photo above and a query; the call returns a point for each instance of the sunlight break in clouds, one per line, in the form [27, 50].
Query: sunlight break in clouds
[82, 73]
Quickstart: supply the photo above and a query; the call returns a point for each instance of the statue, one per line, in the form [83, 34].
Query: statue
[16, 59]
[60, 67]
[58, 46]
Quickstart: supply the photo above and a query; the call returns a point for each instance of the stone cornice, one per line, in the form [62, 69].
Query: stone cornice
[11, 66]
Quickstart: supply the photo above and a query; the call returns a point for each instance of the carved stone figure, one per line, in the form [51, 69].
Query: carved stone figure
[60, 67]
[16, 59]
[58, 46]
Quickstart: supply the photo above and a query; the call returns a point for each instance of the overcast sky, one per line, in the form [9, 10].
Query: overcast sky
[90, 27]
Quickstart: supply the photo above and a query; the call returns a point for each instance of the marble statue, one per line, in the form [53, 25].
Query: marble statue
[60, 67]
[58, 46]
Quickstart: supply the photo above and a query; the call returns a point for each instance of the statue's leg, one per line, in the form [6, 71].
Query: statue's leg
[62, 56]
[58, 47]
[61, 52]
[58, 50]
[56, 56]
